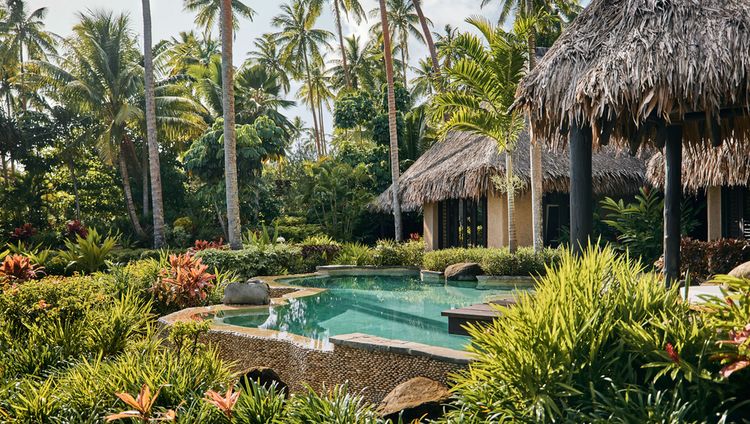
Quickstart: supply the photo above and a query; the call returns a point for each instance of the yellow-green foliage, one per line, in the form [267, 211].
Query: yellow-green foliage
[493, 261]
[599, 339]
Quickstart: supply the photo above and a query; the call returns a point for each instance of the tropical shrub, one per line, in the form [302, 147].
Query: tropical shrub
[88, 254]
[261, 238]
[702, 259]
[439, 260]
[296, 229]
[18, 269]
[125, 256]
[252, 262]
[600, 340]
[355, 254]
[524, 262]
[185, 223]
[391, 253]
[205, 245]
[74, 229]
[317, 251]
[184, 283]
[23, 233]
[639, 225]
[336, 405]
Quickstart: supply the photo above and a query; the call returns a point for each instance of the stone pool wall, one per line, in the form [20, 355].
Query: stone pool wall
[369, 365]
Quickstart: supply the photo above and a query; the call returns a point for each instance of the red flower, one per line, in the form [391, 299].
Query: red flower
[672, 353]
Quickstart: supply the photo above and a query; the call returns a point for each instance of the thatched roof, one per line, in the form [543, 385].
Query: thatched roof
[703, 167]
[464, 164]
[626, 66]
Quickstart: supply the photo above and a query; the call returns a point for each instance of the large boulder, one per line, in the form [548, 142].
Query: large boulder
[415, 399]
[464, 271]
[252, 292]
[741, 271]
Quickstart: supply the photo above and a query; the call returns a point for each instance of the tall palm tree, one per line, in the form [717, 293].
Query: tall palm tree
[186, 50]
[234, 225]
[26, 32]
[363, 66]
[536, 14]
[445, 45]
[301, 46]
[393, 130]
[100, 77]
[319, 92]
[402, 22]
[267, 55]
[209, 10]
[154, 168]
[346, 6]
[428, 38]
[482, 87]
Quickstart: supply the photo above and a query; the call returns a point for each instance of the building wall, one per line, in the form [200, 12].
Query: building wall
[431, 224]
[497, 219]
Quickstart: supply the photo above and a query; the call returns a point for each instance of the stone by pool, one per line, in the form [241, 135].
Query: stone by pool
[401, 308]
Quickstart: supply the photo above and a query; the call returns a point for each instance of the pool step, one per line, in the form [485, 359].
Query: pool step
[474, 314]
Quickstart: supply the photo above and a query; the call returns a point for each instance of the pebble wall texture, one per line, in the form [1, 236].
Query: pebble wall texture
[369, 370]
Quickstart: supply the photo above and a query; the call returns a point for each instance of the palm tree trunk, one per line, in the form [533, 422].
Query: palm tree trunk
[511, 195]
[403, 64]
[535, 153]
[337, 14]
[430, 43]
[234, 226]
[74, 179]
[129, 204]
[322, 127]
[144, 182]
[154, 164]
[393, 130]
[312, 105]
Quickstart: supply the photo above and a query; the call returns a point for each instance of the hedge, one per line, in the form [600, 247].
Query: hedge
[523, 262]
[254, 261]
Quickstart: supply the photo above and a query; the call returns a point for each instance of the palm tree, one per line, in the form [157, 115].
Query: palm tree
[234, 229]
[428, 37]
[393, 130]
[26, 33]
[537, 14]
[208, 10]
[347, 6]
[301, 43]
[318, 92]
[363, 66]
[154, 168]
[267, 55]
[482, 86]
[100, 77]
[186, 50]
[423, 84]
[446, 45]
[402, 22]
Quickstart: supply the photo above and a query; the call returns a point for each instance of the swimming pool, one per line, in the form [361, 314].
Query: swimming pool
[401, 308]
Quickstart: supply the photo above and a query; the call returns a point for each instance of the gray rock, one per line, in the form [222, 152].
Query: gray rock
[252, 292]
[465, 271]
[415, 399]
[741, 271]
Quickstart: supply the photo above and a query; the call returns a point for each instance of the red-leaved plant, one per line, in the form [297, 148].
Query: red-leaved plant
[23, 233]
[143, 406]
[204, 244]
[225, 403]
[185, 283]
[18, 269]
[75, 228]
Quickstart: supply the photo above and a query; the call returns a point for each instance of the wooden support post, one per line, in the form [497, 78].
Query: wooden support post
[581, 191]
[672, 199]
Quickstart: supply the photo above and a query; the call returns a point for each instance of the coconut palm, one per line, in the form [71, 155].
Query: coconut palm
[319, 92]
[445, 45]
[424, 22]
[25, 33]
[353, 7]
[208, 11]
[538, 15]
[154, 169]
[267, 55]
[234, 226]
[481, 88]
[187, 50]
[402, 23]
[100, 77]
[423, 84]
[301, 45]
[393, 130]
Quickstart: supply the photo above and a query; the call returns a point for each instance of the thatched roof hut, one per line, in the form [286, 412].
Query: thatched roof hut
[464, 165]
[702, 167]
[627, 67]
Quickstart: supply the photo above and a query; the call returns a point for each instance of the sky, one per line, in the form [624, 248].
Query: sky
[169, 19]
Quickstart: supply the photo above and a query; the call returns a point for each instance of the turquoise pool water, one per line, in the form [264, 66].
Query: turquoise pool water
[401, 308]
